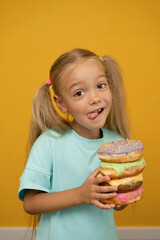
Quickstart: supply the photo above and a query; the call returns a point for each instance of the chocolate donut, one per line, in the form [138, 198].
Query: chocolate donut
[120, 151]
[125, 184]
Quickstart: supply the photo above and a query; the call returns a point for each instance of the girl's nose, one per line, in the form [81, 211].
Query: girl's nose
[94, 98]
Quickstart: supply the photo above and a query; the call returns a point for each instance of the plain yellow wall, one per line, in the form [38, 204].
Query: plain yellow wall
[33, 35]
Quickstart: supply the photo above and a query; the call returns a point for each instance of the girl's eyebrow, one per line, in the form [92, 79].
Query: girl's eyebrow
[102, 75]
[74, 84]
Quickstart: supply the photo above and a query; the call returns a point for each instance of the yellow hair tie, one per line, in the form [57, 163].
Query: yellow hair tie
[65, 116]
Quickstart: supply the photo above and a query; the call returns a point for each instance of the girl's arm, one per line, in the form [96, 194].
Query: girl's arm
[37, 202]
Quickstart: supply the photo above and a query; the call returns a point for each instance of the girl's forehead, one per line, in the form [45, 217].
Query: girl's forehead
[81, 69]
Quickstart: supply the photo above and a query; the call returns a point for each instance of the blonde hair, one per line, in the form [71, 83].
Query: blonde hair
[45, 116]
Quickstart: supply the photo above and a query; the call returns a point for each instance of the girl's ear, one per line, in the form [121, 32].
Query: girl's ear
[60, 104]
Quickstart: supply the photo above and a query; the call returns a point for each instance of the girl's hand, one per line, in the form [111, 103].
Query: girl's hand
[92, 193]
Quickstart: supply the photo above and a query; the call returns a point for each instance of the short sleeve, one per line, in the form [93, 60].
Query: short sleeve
[38, 172]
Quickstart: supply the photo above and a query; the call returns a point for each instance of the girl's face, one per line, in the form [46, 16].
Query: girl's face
[86, 95]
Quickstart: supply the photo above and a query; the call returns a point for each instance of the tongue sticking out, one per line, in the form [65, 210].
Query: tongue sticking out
[92, 115]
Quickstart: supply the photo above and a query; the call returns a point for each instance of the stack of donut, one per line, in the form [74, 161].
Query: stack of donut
[122, 161]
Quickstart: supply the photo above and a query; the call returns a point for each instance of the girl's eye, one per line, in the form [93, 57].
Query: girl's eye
[102, 85]
[79, 93]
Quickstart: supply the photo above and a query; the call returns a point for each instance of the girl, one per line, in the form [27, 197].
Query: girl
[59, 182]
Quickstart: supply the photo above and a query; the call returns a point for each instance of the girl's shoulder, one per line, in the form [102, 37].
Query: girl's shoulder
[49, 134]
[46, 139]
[110, 135]
[44, 145]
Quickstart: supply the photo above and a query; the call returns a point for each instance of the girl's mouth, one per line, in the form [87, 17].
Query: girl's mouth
[93, 115]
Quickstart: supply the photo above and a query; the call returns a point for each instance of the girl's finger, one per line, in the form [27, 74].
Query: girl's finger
[102, 179]
[94, 173]
[103, 206]
[106, 189]
[118, 206]
[103, 196]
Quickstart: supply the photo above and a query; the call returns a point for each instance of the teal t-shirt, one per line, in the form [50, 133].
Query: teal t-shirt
[60, 162]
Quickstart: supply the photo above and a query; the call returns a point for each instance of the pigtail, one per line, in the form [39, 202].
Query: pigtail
[44, 116]
[117, 119]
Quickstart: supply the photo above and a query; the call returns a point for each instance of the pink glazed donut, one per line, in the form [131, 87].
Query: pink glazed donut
[126, 198]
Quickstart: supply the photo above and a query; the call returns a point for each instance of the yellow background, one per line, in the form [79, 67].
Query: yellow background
[33, 35]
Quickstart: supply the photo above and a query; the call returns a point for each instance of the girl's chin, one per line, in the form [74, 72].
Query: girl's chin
[89, 125]
[89, 131]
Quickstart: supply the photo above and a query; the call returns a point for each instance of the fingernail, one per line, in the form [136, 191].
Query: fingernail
[114, 194]
[107, 178]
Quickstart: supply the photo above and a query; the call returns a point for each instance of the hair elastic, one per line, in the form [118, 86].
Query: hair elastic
[49, 82]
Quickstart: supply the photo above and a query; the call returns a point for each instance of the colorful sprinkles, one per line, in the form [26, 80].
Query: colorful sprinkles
[120, 147]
